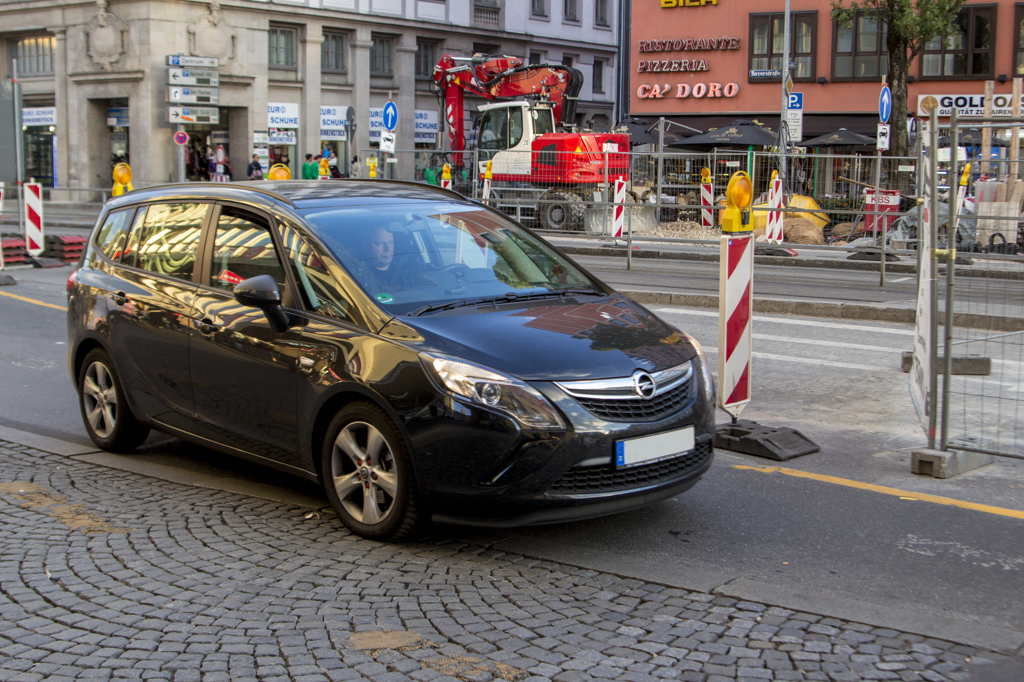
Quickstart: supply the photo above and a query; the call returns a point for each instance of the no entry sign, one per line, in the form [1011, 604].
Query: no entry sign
[181, 137]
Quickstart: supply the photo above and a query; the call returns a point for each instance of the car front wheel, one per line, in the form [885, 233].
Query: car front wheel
[108, 419]
[367, 474]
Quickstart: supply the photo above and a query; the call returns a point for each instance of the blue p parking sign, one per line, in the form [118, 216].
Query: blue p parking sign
[390, 115]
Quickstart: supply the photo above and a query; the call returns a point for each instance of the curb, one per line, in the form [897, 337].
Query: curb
[839, 311]
[826, 263]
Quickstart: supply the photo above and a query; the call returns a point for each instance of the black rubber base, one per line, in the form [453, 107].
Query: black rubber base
[761, 250]
[7, 280]
[872, 255]
[751, 438]
[46, 262]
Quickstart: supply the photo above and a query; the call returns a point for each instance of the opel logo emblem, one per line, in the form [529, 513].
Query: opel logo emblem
[643, 384]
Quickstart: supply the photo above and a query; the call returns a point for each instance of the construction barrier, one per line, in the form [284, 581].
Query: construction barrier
[735, 292]
[14, 252]
[774, 230]
[620, 208]
[488, 175]
[67, 248]
[707, 200]
[33, 203]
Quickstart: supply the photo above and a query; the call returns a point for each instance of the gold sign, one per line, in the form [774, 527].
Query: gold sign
[687, 3]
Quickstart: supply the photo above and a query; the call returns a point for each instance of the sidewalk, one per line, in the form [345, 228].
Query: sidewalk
[106, 574]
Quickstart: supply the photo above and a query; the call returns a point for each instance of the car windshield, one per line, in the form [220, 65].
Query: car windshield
[413, 258]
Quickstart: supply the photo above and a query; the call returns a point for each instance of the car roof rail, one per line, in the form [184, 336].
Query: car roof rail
[242, 185]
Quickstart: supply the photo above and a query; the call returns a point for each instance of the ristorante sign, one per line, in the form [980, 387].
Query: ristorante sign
[693, 64]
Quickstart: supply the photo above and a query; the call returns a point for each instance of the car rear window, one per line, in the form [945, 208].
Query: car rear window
[111, 237]
[165, 241]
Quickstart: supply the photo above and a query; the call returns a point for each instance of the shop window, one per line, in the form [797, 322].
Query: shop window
[426, 58]
[332, 53]
[859, 51]
[34, 55]
[968, 50]
[571, 10]
[539, 8]
[282, 47]
[1018, 43]
[767, 41]
[601, 13]
[598, 75]
[380, 56]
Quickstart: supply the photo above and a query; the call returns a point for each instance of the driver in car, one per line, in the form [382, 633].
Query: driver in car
[387, 272]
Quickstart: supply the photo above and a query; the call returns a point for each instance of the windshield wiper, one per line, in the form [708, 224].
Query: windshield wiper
[510, 297]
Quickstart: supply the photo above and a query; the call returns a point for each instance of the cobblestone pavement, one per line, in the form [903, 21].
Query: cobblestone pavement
[108, 575]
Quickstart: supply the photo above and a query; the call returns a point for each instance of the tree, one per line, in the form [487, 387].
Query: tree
[911, 24]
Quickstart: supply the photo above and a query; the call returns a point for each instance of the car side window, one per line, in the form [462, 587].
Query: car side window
[113, 234]
[320, 291]
[164, 239]
[243, 248]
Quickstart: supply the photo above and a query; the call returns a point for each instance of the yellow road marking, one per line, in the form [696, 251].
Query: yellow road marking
[902, 494]
[32, 300]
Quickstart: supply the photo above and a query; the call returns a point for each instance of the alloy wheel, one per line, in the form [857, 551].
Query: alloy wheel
[365, 473]
[99, 394]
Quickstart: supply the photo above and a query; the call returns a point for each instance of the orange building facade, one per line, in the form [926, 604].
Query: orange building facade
[707, 62]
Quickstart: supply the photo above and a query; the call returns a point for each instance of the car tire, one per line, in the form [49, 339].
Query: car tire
[367, 474]
[108, 419]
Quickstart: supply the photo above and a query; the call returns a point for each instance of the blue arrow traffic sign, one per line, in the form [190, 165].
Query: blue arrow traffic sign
[884, 104]
[390, 115]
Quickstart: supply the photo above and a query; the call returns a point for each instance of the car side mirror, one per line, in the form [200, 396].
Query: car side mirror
[262, 292]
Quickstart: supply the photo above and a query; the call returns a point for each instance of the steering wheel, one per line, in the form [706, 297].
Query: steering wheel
[454, 269]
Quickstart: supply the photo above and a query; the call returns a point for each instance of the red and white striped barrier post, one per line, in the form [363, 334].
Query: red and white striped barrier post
[707, 200]
[735, 292]
[446, 177]
[620, 208]
[773, 231]
[487, 182]
[34, 240]
[1, 211]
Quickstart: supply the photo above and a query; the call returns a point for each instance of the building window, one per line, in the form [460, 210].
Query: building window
[332, 52]
[571, 10]
[539, 8]
[1018, 49]
[536, 57]
[567, 60]
[859, 48]
[601, 12]
[968, 50]
[598, 75]
[282, 47]
[380, 56]
[486, 49]
[426, 58]
[767, 40]
[34, 55]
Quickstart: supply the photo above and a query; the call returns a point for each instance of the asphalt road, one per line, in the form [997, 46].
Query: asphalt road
[815, 543]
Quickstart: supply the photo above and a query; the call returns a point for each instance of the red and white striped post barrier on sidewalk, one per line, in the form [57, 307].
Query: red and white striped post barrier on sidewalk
[620, 208]
[735, 310]
[488, 174]
[446, 177]
[707, 200]
[33, 206]
[773, 231]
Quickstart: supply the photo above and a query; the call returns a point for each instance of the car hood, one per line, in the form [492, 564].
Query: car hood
[551, 340]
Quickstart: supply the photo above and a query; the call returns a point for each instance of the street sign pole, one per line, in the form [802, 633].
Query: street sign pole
[181, 156]
[784, 111]
[884, 109]
[19, 151]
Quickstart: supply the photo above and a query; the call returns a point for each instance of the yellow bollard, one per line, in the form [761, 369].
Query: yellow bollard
[371, 162]
[279, 171]
[122, 176]
[738, 195]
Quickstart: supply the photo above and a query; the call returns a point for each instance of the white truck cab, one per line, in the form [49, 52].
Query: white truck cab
[506, 132]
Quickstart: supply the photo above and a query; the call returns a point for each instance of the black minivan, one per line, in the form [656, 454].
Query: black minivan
[419, 353]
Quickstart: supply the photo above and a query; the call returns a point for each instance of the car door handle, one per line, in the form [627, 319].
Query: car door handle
[120, 298]
[207, 327]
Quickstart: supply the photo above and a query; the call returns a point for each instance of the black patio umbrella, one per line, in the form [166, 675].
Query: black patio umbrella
[739, 133]
[840, 138]
[971, 138]
[646, 131]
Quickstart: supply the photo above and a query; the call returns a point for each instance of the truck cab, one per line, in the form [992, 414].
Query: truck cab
[505, 135]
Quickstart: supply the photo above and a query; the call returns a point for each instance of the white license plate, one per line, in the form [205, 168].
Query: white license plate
[649, 448]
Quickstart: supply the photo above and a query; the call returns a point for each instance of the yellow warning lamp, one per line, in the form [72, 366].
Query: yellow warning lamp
[446, 171]
[122, 176]
[775, 175]
[705, 175]
[738, 195]
[279, 171]
[965, 176]
[372, 163]
[488, 174]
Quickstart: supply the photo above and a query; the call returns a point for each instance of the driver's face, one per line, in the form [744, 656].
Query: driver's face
[382, 249]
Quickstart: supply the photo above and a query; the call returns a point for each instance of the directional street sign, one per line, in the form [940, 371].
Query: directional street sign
[200, 62]
[193, 115]
[208, 77]
[181, 137]
[190, 95]
[884, 104]
[390, 115]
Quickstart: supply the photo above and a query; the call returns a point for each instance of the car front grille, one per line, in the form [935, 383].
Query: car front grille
[604, 479]
[658, 407]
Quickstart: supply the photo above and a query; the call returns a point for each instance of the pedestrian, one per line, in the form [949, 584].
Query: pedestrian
[255, 170]
[354, 168]
[307, 168]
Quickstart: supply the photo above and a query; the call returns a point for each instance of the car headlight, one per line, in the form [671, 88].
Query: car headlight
[492, 389]
[705, 369]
